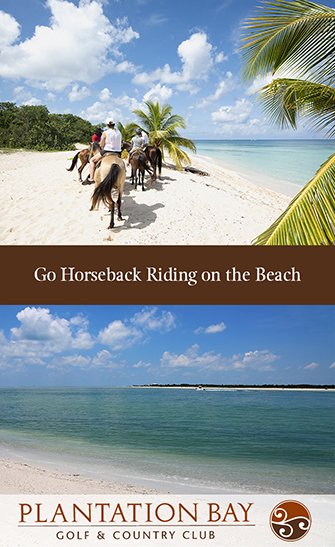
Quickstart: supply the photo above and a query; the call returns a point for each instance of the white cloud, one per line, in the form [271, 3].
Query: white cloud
[142, 364]
[118, 335]
[9, 29]
[332, 365]
[24, 97]
[102, 360]
[224, 86]
[52, 58]
[312, 366]
[238, 113]
[257, 360]
[159, 93]
[100, 112]
[153, 320]
[156, 19]
[108, 108]
[258, 83]
[197, 56]
[78, 93]
[51, 333]
[39, 324]
[211, 329]
[41, 335]
[105, 95]
[220, 57]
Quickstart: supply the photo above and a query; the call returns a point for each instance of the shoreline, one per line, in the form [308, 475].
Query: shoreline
[204, 388]
[43, 204]
[20, 477]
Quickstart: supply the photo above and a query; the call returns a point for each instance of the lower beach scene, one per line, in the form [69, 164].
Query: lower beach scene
[173, 399]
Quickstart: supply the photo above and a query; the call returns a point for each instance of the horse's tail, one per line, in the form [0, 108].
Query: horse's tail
[159, 161]
[74, 161]
[103, 191]
[144, 162]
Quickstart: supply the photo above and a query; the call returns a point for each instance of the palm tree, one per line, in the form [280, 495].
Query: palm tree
[161, 127]
[296, 38]
[127, 131]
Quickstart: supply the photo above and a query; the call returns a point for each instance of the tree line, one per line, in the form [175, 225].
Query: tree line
[35, 128]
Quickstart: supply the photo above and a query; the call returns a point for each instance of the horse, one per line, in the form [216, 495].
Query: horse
[84, 156]
[109, 180]
[154, 156]
[138, 162]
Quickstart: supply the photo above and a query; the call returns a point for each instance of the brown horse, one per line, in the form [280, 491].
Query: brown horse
[139, 165]
[154, 155]
[109, 180]
[84, 156]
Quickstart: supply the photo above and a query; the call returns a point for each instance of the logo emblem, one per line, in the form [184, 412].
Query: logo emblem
[290, 520]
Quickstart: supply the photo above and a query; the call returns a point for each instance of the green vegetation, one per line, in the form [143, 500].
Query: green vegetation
[297, 38]
[127, 131]
[33, 127]
[161, 127]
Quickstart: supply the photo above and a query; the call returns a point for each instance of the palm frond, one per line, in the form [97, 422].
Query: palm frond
[295, 35]
[162, 128]
[310, 217]
[177, 155]
[286, 99]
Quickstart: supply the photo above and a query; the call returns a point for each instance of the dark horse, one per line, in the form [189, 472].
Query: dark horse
[154, 155]
[84, 156]
[139, 165]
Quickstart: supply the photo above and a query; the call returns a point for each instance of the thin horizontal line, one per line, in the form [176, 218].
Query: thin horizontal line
[130, 525]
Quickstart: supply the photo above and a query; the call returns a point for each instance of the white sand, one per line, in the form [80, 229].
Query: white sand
[22, 478]
[43, 204]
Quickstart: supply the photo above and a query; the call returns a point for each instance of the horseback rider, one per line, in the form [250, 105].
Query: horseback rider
[111, 143]
[96, 137]
[137, 143]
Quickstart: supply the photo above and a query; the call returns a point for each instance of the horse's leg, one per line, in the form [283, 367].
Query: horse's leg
[111, 224]
[119, 216]
[80, 170]
[155, 168]
[143, 173]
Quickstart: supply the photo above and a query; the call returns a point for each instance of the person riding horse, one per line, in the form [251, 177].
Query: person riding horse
[111, 143]
[137, 144]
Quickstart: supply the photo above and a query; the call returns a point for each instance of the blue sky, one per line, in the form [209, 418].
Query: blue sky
[101, 58]
[124, 345]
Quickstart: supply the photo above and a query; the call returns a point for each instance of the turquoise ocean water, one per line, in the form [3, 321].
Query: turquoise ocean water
[284, 165]
[222, 441]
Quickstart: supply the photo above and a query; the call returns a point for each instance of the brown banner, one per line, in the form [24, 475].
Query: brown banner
[161, 275]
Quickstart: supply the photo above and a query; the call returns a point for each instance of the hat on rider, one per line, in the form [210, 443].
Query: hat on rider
[111, 123]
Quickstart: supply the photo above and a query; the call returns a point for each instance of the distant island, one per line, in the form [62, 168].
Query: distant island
[240, 386]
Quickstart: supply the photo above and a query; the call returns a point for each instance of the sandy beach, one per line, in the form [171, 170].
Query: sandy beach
[43, 204]
[19, 477]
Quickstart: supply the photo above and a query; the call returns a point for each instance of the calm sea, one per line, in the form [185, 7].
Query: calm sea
[284, 165]
[223, 441]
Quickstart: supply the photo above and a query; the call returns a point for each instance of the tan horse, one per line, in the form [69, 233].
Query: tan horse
[109, 179]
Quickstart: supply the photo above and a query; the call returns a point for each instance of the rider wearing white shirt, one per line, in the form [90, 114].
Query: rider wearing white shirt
[111, 142]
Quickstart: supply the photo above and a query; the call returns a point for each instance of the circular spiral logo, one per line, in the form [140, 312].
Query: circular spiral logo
[290, 520]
